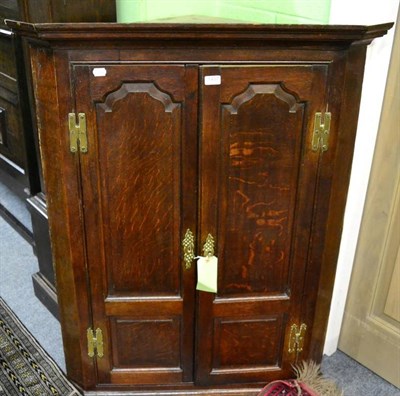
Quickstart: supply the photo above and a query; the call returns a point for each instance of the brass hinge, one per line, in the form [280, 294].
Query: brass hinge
[321, 131]
[296, 338]
[77, 133]
[95, 343]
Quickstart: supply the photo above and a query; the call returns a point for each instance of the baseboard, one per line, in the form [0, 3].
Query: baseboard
[46, 293]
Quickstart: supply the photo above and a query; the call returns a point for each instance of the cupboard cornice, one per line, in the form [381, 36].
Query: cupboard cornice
[258, 34]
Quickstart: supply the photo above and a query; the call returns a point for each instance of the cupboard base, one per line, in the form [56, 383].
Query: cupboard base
[239, 391]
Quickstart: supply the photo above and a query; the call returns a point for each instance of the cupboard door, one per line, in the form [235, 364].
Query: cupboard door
[258, 178]
[139, 198]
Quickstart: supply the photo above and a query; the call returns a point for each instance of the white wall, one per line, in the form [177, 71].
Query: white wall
[360, 12]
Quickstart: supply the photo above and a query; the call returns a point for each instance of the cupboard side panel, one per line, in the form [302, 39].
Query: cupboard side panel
[344, 96]
[60, 170]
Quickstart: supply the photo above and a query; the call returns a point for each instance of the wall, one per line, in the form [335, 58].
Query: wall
[262, 11]
[358, 12]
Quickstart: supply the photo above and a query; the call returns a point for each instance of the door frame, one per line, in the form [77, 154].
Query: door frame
[365, 321]
[376, 67]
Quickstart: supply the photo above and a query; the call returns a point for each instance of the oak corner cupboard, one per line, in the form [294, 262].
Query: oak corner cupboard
[161, 141]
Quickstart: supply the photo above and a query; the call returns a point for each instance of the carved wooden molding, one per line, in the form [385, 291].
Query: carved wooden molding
[257, 89]
[149, 88]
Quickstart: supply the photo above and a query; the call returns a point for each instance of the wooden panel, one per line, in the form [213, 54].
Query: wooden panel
[249, 343]
[257, 187]
[392, 304]
[146, 343]
[261, 129]
[385, 302]
[83, 11]
[42, 11]
[11, 129]
[11, 138]
[141, 220]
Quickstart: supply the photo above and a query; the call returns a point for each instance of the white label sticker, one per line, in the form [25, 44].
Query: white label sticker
[207, 274]
[99, 72]
[212, 80]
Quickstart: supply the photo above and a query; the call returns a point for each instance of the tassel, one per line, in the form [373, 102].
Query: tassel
[309, 382]
[309, 374]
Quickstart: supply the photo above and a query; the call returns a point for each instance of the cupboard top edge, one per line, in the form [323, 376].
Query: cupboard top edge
[92, 32]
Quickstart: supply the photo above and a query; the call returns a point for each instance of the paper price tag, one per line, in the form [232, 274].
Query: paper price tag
[207, 274]
[212, 80]
[99, 72]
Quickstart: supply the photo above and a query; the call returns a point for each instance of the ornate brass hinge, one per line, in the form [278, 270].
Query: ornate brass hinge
[77, 133]
[296, 338]
[321, 131]
[95, 343]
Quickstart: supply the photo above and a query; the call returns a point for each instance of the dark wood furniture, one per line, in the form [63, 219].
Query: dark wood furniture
[157, 136]
[18, 164]
[19, 153]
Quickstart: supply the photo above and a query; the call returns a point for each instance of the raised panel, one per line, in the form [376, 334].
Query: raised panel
[385, 302]
[248, 343]
[139, 152]
[146, 343]
[262, 129]
[392, 303]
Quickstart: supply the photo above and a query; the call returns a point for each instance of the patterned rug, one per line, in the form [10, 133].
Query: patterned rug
[25, 368]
